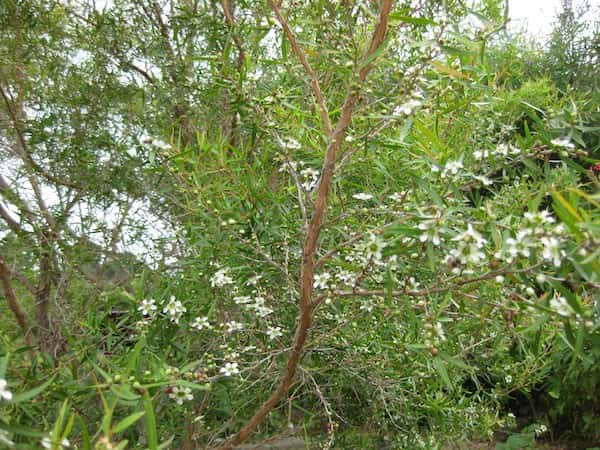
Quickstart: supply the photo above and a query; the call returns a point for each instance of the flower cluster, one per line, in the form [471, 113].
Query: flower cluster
[221, 278]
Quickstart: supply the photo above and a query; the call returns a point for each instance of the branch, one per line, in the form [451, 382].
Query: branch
[13, 303]
[22, 151]
[335, 138]
[307, 67]
[228, 11]
[426, 291]
[12, 223]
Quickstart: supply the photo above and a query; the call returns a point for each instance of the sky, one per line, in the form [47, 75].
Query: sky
[537, 16]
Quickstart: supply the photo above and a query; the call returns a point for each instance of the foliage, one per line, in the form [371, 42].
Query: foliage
[167, 165]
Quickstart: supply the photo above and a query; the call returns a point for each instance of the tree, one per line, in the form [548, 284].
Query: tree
[336, 178]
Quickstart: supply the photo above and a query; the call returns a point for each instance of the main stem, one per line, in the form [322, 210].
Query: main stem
[306, 305]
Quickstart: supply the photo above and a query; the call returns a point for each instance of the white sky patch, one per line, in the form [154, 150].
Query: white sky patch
[538, 16]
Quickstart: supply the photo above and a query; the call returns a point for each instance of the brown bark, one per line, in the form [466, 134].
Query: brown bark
[229, 13]
[335, 138]
[13, 303]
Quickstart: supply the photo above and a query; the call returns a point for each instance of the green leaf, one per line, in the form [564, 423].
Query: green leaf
[151, 433]
[4, 365]
[397, 17]
[128, 421]
[439, 365]
[373, 56]
[450, 71]
[28, 395]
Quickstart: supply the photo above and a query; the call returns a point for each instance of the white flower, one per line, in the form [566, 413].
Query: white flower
[563, 142]
[406, 108]
[4, 392]
[559, 305]
[519, 246]
[274, 332]
[253, 281]
[5, 439]
[484, 180]
[161, 145]
[174, 309]
[452, 168]
[344, 276]
[147, 307]
[230, 369]
[480, 154]
[470, 236]
[363, 196]
[310, 178]
[262, 311]
[397, 196]
[438, 330]
[502, 150]
[540, 429]
[49, 442]
[508, 379]
[430, 232]
[539, 219]
[551, 250]
[242, 300]
[291, 144]
[181, 394]
[233, 326]
[221, 278]
[374, 247]
[201, 323]
[321, 280]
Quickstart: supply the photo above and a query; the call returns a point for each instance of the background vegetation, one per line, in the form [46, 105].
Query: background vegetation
[378, 220]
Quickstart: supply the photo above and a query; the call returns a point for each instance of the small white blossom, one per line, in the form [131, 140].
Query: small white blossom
[274, 332]
[363, 196]
[406, 108]
[253, 281]
[147, 307]
[233, 326]
[563, 142]
[221, 278]
[310, 178]
[374, 248]
[181, 394]
[49, 442]
[291, 144]
[502, 150]
[262, 311]
[5, 439]
[470, 236]
[551, 250]
[560, 305]
[230, 369]
[5, 393]
[438, 330]
[430, 228]
[242, 299]
[508, 379]
[397, 196]
[161, 145]
[481, 154]
[174, 309]
[321, 280]
[344, 276]
[451, 168]
[201, 323]
[484, 180]
[540, 429]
